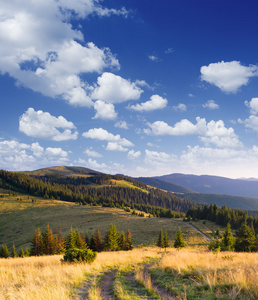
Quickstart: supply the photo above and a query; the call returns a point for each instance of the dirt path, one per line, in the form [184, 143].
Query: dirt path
[159, 290]
[195, 228]
[106, 285]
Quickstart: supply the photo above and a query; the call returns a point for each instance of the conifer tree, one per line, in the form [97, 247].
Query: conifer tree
[245, 241]
[227, 243]
[49, 242]
[98, 241]
[122, 241]
[160, 241]
[70, 240]
[21, 254]
[37, 243]
[87, 238]
[166, 240]
[111, 241]
[13, 252]
[59, 242]
[27, 252]
[92, 242]
[179, 242]
[4, 253]
[128, 240]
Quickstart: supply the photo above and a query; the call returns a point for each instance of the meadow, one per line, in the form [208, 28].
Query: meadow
[143, 273]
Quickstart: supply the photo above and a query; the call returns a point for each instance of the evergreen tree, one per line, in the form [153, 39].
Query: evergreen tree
[179, 242]
[13, 252]
[160, 241]
[122, 241]
[128, 240]
[98, 241]
[87, 239]
[4, 253]
[59, 242]
[27, 252]
[245, 241]
[70, 240]
[21, 254]
[166, 240]
[111, 241]
[227, 243]
[49, 242]
[37, 243]
[92, 242]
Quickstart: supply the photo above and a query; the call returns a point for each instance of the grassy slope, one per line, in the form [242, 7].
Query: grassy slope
[18, 220]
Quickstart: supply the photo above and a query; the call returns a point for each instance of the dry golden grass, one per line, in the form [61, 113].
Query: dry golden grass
[46, 278]
[226, 268]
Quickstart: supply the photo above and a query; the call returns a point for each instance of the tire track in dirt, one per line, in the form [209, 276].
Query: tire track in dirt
[106, 283]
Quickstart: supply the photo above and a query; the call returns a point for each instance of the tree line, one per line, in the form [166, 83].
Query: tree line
[50, 243]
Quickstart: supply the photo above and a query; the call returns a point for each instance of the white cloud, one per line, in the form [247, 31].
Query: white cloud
[93, 164]
[184, 127]
[152, 145]
[115, 89]
[92, 153]
[115, 142]
[210, 104]
[105, 111]
[210, 133]
[155, 102]
[251, 122]
[39, 124]
[42, 51]
[170, 50]
[133, 154]
[253, 105]
[153, 58]
[116, 146]
[155, 157]
[17, 156]
[121, 124]
[228, 76]
[180, 107]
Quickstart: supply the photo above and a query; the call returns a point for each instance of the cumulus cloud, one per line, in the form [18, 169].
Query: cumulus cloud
[210, 133]
[210, 104]
[105, 111]
[17, 156]
[92, 153]
[228, 76]
[121, 124]
[39, 124]
[133, 154]
[115, 89]
[155, 102]
[180, 107]
[153, 58]
[115, 142]
[253, 105]
[155, 157]
[42, 51]
[251, 122]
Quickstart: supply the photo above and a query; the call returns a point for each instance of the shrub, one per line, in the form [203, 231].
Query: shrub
[79, 255]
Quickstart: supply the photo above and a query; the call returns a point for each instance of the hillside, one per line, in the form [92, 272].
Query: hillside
[214, 184]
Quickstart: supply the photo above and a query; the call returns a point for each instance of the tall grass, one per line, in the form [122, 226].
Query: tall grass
[41, 278]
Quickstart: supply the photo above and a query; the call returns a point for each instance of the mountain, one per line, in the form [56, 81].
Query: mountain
[214, 184]
[164, 185]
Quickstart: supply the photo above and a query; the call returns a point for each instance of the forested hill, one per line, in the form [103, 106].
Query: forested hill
[96, 189]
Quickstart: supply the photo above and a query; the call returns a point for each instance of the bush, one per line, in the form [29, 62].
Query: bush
[79, 255]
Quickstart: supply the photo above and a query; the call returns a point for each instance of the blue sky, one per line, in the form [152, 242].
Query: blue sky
[137, 87]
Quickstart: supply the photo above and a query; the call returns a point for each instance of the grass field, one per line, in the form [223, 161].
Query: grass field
[19, 218]
[186, 274]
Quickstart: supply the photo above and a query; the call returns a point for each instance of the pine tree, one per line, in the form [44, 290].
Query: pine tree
[227, 243]
[92, 242]
[179, 242]
[70, 240]
[4, 253]
[49, 242]
[128, 240]
[87, 239]
[21, 254]
[59, 242]
[111, 241]
[98, 241]
[27, 252]
[166, 240]
[245, 241]
[13, 252]
[122, 241]
[160, 241]
[37, 243]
